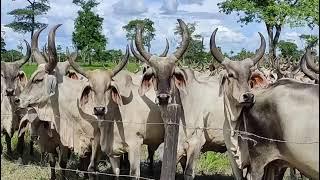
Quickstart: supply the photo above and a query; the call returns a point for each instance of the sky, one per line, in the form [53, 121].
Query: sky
[231, 36]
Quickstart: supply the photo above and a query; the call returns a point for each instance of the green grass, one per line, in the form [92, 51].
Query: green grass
[132, 67]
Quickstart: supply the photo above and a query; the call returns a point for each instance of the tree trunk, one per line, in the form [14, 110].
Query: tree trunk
[273, 41]
[32, 26]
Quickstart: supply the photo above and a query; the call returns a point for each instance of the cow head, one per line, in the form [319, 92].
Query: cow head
[12, 78]
[306, 61]
[101, 87]
[163, 73]
[235, 81]
[43, 82]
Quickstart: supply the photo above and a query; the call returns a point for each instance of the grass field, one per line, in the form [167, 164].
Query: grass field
[209, 165]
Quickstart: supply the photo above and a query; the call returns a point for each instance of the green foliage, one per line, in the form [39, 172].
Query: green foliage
[3, 45]
[11, 55]
[273, 12]
[148, 30]
[214, 162]
[24, 18]
[289, 49]
[195, 53]
[88, 35]
[243, 54]
[310, 40]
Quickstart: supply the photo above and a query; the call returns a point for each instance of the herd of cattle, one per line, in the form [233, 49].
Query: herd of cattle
[266, 120]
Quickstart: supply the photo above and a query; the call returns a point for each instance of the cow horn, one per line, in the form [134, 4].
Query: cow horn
[45, 52]
[213, 48]
[165, 52]
[185, 40]
[124, 61]
[139, 43]
[34, 47]
[259, 54]
[137, 55]
[75, 66]
[22, 61]
[310, 62]
[52, 52]
[306, 71]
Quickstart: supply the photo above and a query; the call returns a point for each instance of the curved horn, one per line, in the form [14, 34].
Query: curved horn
[75, 66]
[139, 43]
[45, 52]
[185, 40]
[22, 61]
[137, 55]
[165, 52]
[310, 62]
[52, 52]
[259, 54]
[34, 47]
[277, 60]
[124, 61]
[213, 47]
[306, 71]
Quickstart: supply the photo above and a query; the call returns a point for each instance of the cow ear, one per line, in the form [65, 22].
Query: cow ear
[23, 126]
[22, 78]
[85, 95]
[257, 81]
[115, 94]
[146, 81]
[180, 79]
[223, 77]
[72, 75]
[51, 85]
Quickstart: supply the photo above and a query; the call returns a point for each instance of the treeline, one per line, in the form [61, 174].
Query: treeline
[92, 44]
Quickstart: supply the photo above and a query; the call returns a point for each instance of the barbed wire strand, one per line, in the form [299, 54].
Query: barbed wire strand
[239, 132]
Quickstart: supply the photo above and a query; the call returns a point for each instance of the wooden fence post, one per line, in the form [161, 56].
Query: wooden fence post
[171, 119]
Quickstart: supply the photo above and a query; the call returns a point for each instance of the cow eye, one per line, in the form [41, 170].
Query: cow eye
[37, 80]
[230, 75]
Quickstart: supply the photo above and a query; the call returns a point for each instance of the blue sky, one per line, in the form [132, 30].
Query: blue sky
[116, 13]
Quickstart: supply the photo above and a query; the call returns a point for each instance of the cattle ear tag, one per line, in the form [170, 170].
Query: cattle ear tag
[51, 85]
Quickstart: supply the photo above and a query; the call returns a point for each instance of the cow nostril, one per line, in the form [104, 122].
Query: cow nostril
[9, 92]
[245, 96]
[17, 100]
[99, 110]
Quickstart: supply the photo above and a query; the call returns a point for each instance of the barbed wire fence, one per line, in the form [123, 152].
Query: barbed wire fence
[242, 134]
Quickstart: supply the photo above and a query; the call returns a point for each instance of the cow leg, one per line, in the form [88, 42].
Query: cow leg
[20, 147]
[124, 162]
[8, 142]
[63, 159]
[95, 147]
[84, 164]
[183, 163]
[52, 162]
[151, 150]
[193, 153]
[134, 158]
[115, 164]
[31, 148]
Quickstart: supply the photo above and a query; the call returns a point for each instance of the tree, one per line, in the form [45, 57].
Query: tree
[3, 45]
[310, 40]
[148, 31]
[243, 54]
[88, 30]
[195, 52]
[274, 13]
[289, 50]
[11, 55]
[25, 18]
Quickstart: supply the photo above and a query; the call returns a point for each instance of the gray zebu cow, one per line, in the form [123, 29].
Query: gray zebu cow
[266, 114]
[13, 81]
[127, 120]
[54, 97]
[175, 85]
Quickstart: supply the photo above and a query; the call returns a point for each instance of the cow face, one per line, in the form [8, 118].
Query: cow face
[39, 89]
[235, 82]
[12, 79]
[101, 89]
[163, 73]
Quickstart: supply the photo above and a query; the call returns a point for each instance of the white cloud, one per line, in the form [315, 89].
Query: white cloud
[130, 7]
[169, 6]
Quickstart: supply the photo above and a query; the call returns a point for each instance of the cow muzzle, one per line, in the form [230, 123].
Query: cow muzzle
[246, 98]
[9, 92]
[99, 111]
[163, 99]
